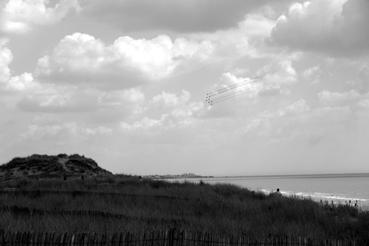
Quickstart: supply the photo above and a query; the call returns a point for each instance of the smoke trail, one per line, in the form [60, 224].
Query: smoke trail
[229, 92]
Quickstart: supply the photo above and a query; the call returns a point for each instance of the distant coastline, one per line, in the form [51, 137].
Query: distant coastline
[276, 176]
[178, 176]
[323, 175]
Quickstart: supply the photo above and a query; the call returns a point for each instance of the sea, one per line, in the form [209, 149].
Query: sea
[348, 189]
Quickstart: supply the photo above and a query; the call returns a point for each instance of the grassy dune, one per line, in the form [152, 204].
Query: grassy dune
[123, 203]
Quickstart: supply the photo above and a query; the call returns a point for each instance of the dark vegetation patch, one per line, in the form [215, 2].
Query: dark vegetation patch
[41, 166]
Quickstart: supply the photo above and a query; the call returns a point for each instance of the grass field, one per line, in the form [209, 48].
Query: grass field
[123, 203]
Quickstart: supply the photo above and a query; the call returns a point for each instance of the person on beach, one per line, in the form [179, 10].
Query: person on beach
[277, 193]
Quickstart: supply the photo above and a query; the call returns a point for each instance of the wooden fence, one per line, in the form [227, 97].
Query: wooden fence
[158, 238]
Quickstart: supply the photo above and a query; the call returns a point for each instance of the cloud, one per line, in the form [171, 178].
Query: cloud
[118, 105]
[7, 81]
[278, 72]
[165, 111]
[246, 39]
[55, 99]
[298, 107]
[332, 27]
[58, 99]
[363, 103]
[172, 15]
[300, 122]
[129, 108]
[338, 98]
[121, 97]
[6, 58]
[81, 58]
[49, 131]
[68, 111]
[275, 124]
[20, 16]
[171, 100]
[22, 82]
[352, 99]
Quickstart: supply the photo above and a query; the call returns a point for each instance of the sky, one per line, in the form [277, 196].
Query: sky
[124, 82]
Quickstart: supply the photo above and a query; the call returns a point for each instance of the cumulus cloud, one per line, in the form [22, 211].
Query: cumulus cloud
[49, 131]
[338, 98]
[62, 114]
[6, 58]
[346, 99]
[22, 82]
[55, 99]
[116, 105]
[297, 107]
[363, 103]
[166, 111]
[127, 62]
[333, 27]
[58, 99]
[19, 16]
[279, 72]
[300, 122]
[246, 39]
[173, 15]
[121, 97]
[130, 107]
[7, 81]
[171, 100]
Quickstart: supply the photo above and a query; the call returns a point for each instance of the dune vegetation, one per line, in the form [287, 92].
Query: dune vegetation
[116, 203]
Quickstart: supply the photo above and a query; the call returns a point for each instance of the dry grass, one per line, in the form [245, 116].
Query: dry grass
[123, 203]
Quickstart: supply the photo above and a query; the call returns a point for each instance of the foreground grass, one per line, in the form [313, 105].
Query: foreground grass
[122, 203]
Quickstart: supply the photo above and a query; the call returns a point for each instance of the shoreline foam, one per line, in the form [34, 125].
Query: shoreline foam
[326, 197]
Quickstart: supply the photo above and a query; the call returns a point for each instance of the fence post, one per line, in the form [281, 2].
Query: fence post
[143, 238]
[2, 238]
[38, 237]
[121, 238]
[47, 238]
[8, 237]
[126, 241]
[16, 239]
[115, 239]
[171, 237]
[21, 239]
[92, 239]
[11, 239]
[29, 239]
[72, 240]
